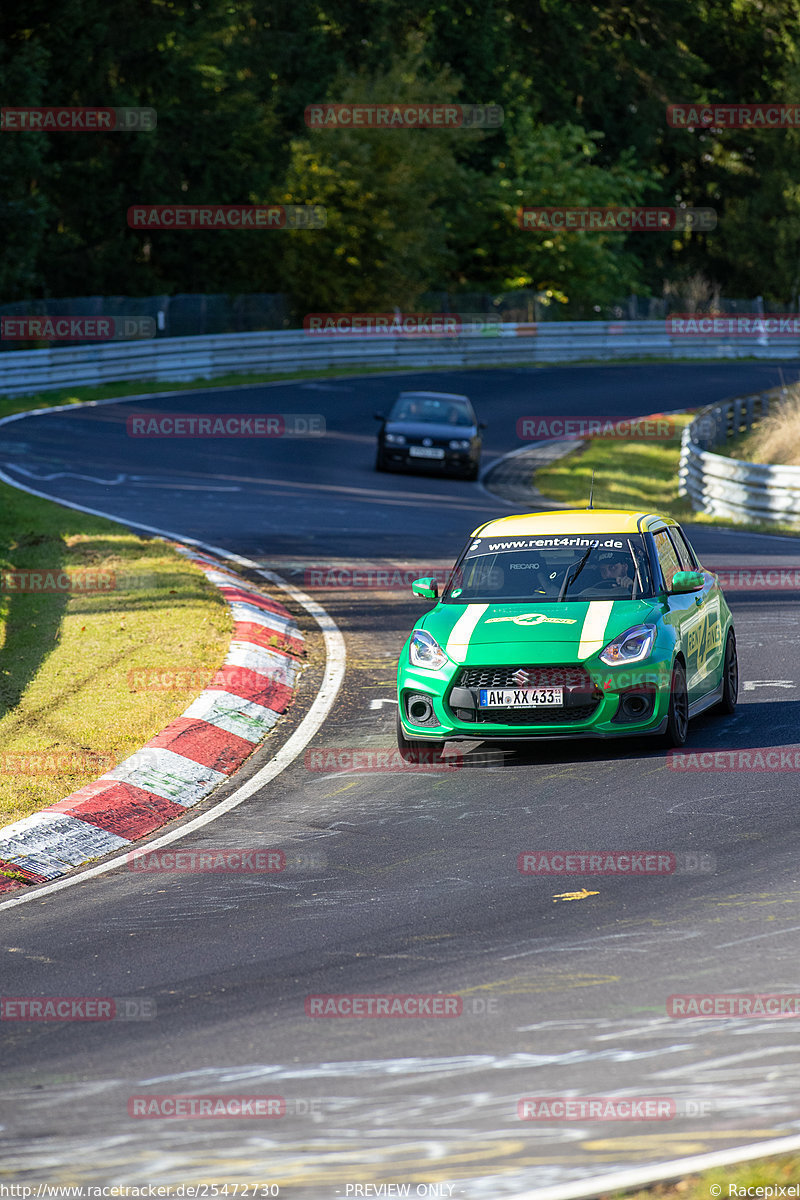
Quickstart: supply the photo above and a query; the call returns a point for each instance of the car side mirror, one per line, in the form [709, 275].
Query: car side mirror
[481, 424]
[687, 581]
[427, 587]
[379, 416]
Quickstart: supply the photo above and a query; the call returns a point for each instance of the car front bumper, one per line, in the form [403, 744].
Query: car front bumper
[453, 460]
[593, 711]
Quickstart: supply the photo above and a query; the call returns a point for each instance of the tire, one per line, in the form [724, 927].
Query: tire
[730, 676]
[414, 750]
[678, 714]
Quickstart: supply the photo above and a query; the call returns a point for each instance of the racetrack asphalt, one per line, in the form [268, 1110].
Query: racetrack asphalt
[415, 887]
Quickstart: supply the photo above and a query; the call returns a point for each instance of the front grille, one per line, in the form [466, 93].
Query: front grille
[536, 716]
[581, 696]
[572, 678]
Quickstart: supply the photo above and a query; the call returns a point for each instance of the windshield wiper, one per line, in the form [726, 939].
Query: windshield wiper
[573, 573]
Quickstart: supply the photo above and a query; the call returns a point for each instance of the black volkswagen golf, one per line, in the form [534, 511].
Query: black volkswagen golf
[433, 430]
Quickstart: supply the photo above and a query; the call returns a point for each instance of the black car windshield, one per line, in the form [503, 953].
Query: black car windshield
[545, 569]
[432, 410]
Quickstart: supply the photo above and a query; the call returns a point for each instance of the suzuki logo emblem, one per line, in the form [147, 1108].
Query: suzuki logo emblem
[521, 677]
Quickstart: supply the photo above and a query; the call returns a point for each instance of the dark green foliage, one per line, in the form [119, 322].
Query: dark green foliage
[584, 87]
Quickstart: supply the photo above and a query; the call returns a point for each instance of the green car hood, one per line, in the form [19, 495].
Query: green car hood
[485, 634]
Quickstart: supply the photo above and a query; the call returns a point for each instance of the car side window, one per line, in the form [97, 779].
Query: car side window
[684, 548]
[667, 558]
[685, 556]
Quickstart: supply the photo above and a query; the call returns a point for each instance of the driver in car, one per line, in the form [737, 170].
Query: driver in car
[615, 568]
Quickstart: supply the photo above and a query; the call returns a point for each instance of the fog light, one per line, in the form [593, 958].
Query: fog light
[420, 709]
[635, 706]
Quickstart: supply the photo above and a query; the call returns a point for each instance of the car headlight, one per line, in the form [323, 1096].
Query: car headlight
[459, 444]
[396, 439]
[631, 646]
[425, 651]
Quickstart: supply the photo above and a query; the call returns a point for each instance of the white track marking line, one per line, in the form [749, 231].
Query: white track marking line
[636, 1177]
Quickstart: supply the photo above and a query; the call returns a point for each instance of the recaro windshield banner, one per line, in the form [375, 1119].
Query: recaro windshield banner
[484, 546]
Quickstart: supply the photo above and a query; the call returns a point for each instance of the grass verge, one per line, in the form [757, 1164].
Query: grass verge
[634, 475]
[70, 705]
[760, 1173]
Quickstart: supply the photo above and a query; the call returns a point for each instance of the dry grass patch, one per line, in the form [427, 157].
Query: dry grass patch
[70, 707]
[775, 439]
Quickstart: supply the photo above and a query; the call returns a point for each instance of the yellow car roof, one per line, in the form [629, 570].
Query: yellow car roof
[576, 520]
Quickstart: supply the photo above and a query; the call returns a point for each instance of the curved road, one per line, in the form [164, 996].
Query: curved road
[416, 888]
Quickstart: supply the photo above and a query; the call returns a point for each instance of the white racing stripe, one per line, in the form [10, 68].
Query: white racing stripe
[458, 642]
[594, 627]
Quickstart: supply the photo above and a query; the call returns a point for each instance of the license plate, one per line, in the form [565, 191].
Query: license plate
[425, 452]
[520, 697]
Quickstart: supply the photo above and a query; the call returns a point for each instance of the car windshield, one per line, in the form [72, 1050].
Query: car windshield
[432, 410]
[548, 569]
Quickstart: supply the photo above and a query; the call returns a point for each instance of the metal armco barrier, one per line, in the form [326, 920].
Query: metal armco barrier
[729, 487]
[24, 372]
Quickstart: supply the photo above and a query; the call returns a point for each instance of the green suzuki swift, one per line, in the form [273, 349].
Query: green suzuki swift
[579, 624]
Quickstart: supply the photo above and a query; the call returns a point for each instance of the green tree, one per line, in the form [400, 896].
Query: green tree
[390, 196]
[24, 203]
